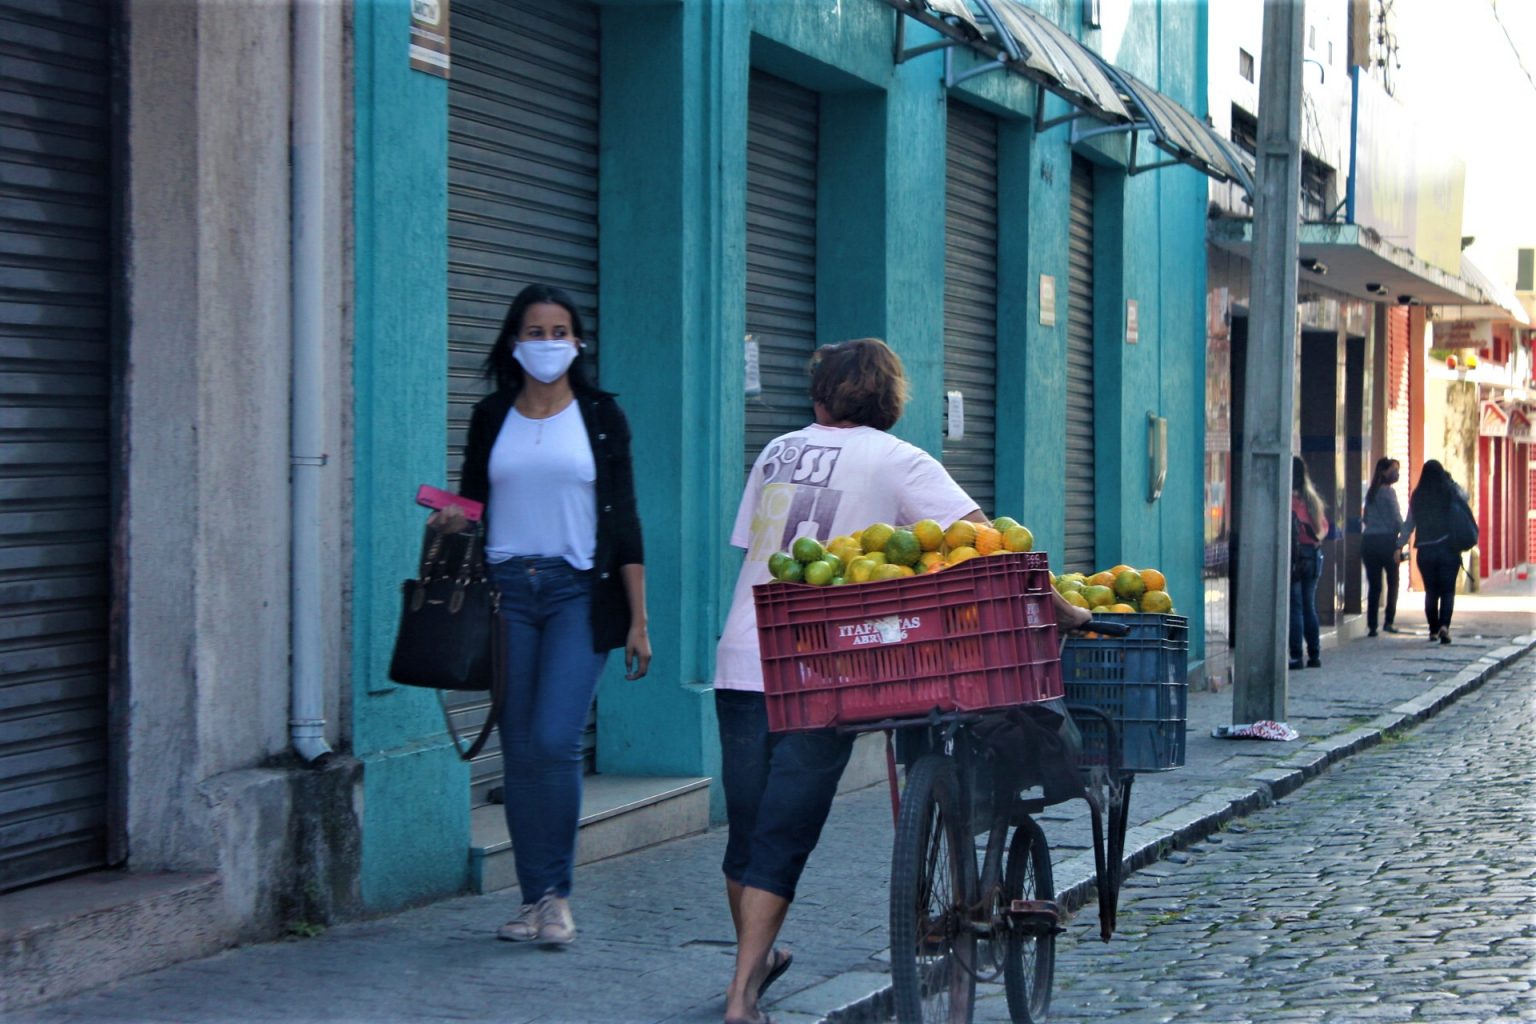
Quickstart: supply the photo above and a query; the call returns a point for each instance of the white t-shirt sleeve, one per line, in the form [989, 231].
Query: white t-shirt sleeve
[931, 493]
[741, 532]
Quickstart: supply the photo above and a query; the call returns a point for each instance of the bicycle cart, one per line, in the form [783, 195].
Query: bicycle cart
[964, 669]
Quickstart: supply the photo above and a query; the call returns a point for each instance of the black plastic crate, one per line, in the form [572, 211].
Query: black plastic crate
[1139, 682]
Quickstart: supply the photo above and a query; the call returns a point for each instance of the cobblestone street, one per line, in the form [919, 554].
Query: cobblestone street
[1401, 886]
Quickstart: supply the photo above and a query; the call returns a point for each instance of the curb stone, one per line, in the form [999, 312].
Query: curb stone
[1200, 818]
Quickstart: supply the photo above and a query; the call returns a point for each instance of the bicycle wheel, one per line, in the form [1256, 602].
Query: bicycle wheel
[1030, 966]
[932, 944]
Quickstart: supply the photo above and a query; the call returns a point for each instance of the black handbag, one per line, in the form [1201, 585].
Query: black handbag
[450, 635]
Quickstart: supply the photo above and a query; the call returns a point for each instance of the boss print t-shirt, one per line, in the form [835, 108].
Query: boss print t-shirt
[823, 482]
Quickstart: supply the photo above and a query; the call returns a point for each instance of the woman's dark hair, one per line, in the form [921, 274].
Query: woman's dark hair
[1434, 485]
[860, 381]
[1379, 477]
[504, 371]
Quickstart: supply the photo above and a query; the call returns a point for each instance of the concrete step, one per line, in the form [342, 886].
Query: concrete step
[74, 934]
[619, 813]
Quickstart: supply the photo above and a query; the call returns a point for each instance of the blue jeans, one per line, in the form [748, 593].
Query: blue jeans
[1304, 609]
[552, 674]
[778, 792]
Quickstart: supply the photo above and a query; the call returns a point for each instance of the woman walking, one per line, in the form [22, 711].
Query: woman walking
[1309, 525]
[548, 454]
[834, 476]
[1429, 515]
[1378, 545]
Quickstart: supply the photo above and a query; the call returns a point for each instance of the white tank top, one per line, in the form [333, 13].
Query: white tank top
[543, 490]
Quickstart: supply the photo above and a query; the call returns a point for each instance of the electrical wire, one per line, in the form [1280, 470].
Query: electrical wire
[1519, 60]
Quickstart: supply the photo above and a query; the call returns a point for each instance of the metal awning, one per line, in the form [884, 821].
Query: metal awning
[1174, 130]
[1018, 38]
[1355, 261]
[1499, 303]
[1015, 38]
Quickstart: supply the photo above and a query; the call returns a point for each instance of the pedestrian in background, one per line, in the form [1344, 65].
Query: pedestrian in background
[835, 476]
[548, 454]
[1429, 516]
[1309, 526]
[1379, 549]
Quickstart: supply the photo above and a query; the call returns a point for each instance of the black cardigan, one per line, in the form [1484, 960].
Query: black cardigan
[618, 518]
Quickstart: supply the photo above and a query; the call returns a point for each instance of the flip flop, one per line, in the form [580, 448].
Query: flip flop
[779, 962]
[764, 1019]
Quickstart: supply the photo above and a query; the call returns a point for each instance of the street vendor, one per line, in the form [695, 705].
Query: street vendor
[830, 477]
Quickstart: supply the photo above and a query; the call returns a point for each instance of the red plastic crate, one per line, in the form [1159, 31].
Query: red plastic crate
[978, 635]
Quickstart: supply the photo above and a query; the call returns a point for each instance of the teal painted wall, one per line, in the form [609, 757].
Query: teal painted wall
[672, 215]
[415, 790]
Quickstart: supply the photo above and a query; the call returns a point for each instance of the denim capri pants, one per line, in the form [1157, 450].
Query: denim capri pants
[778, 792]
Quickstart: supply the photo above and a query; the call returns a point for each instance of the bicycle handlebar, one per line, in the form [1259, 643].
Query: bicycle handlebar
[1104, 627]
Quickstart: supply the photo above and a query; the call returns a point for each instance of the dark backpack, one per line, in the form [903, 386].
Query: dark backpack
[1463, 525]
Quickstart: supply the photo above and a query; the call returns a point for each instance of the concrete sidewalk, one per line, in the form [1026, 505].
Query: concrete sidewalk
[656, 939]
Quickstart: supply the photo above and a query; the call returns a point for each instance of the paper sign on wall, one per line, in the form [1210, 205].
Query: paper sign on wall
[1132, 328]
[429, 37]
[754, 373]
[1047, 301]
[956, 427]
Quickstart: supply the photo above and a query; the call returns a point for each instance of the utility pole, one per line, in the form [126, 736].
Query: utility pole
[1264, 544]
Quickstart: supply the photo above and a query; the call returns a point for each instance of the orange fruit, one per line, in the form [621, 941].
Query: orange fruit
[931, 560]
[890, 571]
[1129, 585]
[902, 548]
[1153, 579]
[874, 536]
[1018, 538]
[1002, 524]
[1119, 607]
[929, 534]
[860, 570]
[1122, 567]
[963, 553]
[846, 548]
[988, 539]
[1156, 601]
[1075, 597]
[961, 535]
[1101, 579]
[1098, 595]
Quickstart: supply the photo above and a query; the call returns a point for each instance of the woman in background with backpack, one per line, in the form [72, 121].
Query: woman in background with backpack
[1434, 513]
[1309, 527]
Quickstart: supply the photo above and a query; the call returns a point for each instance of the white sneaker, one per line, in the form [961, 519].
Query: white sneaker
[524, 927]
[556, 925]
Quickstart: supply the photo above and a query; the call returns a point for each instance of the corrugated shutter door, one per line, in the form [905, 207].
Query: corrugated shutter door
[55, 242]
[522, 205]
[781, 254]
[1079, 499]
[970, 298]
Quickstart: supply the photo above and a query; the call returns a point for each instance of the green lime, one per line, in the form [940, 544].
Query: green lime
[807, 549]
[835, 562]
[818, 573]
[793, 572]
[778, 562]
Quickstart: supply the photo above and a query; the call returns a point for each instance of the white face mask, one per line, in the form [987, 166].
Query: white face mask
[545, 361]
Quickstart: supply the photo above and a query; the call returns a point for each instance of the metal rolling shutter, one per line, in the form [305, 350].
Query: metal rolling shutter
[522, 206]
[781, 254]
[1079, 499]
[970, 297]
[55, 252]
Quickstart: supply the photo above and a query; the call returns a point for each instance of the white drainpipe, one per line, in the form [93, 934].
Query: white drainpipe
[307, 457]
